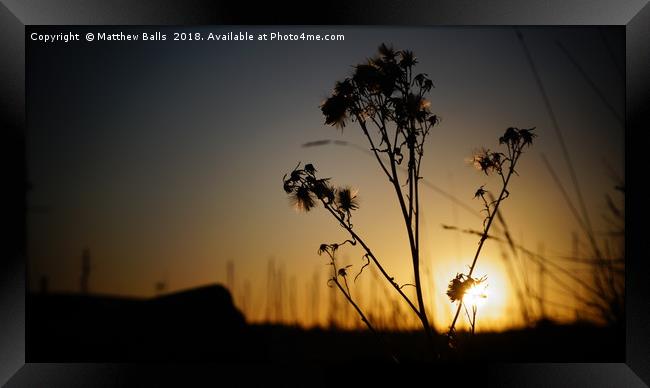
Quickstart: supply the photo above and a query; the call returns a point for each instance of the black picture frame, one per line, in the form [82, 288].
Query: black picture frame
[16, 15]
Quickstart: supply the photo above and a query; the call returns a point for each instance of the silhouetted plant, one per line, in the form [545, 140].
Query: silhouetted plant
[339, 273]
[387, 100]
[459, 287]
[503, 164]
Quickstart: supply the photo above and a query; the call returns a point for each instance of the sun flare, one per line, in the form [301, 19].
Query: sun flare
[476, 295]
[494, 297]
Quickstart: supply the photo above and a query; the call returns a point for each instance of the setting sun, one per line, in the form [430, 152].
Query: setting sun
[476, 295]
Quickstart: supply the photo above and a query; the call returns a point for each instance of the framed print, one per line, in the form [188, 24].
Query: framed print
[202, 192]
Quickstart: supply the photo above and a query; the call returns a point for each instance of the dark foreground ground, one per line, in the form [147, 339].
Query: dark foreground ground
[203, 325]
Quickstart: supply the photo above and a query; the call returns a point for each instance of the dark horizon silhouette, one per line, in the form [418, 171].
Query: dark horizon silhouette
[202, 325]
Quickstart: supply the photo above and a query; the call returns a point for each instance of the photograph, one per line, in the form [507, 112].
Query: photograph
[325, 194]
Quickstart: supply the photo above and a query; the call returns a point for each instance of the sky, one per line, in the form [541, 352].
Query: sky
[166, 160]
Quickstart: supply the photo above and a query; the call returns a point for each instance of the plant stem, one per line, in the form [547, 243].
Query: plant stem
[414, 199]
[365, 320]
[421, 312]
[473, 319]
[485, 234]
[373, 258]
[407, 214]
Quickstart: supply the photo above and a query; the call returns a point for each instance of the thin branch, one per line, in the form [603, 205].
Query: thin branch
[365, 320]
[356, 237]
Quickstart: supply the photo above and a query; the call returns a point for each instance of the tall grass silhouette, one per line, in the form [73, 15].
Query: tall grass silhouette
[605, 255]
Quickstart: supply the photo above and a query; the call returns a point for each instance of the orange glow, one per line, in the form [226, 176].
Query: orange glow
[476, 295]
[494, 298]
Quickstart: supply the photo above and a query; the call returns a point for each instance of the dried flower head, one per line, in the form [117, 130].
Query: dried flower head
[344, 271]
[287, 186]
[295, 175]
[322, 190]
[323, 248]
[346, 199]
[517, 137]
[335, 110]
[344, 88]
[302, 199]
[511, 136]
[408, 59]
[527, 136]
[386, 52]
[434, 119]
[480, 192]
[484, 161]
[366, 76]
[459, 285]
[309, 169]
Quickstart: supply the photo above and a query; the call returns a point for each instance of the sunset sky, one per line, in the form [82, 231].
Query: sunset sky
[166, 159]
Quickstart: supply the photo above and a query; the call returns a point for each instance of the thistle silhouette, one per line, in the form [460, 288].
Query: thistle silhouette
[386, 98]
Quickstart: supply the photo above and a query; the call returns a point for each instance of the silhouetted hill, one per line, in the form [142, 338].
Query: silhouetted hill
[202, 324]
[196, 324]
